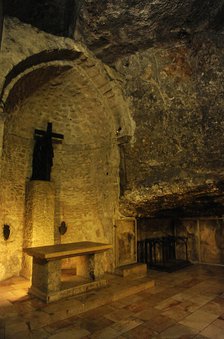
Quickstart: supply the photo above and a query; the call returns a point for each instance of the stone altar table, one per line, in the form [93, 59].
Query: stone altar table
[46, 275]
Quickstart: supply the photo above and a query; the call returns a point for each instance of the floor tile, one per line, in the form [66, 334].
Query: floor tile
[198, 320]
[178, 331]
[219, 323]
[183, 302]
[176, 313]
[147, 314]
[126, 325]
[159, 323]
[216, 306]
[120, 314]
[93, 325]
[213, 332]
[106, 333]
[140, 331]
[137, 307]
[57, 326]
[167, 304]
[74, 333]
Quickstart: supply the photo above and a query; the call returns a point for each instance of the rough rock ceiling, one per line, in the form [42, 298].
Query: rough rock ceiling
[206, 200]
[115, 28]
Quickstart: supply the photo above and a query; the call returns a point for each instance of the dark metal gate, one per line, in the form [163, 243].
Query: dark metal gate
[160, 253]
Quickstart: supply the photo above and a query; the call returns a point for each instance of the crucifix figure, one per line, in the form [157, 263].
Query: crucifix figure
[43, 153]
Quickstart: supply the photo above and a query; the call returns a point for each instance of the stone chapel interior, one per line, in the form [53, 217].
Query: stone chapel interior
[130, 95]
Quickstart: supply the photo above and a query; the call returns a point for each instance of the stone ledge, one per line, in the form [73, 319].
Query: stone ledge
[137, 269]
[50, 297]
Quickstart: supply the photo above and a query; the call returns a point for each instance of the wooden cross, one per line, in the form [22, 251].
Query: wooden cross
[49, 134]
[43, 152]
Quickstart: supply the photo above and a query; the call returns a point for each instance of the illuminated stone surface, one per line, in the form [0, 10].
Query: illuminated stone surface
[39, 221]
[80, 96]
[126, 308]
[143, 136]
[67, 250]
[46, 272]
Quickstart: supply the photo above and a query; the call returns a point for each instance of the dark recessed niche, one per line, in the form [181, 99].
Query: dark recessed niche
[6, 231]
[62, 228]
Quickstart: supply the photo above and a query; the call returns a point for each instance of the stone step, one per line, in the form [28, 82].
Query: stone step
[137, 269]
[138, 285]
[68, 292]
[117, 288]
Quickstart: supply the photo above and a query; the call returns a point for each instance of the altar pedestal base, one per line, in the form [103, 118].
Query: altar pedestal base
[46, 277]
[39, 219]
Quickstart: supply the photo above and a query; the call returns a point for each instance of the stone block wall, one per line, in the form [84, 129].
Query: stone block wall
[205, 237]
[154, 228]
[87, 107]
[206, 244]
[85, 170]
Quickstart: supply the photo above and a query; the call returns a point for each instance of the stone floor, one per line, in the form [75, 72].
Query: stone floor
[184, 304]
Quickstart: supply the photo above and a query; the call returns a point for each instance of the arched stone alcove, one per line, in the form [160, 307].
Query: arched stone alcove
[84, 104]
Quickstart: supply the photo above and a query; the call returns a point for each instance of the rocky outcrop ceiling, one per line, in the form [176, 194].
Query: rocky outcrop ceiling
[115, 28]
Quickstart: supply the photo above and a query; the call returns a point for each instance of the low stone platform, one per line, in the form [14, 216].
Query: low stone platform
[117, 288]
[14, 294]
[137, 269]
[64, 292]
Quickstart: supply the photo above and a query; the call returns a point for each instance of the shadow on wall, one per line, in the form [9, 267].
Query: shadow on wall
[63, 14]
[205, 236]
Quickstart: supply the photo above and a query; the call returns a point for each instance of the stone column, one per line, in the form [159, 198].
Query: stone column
[39, 221]
[46, 277]
[95, 268]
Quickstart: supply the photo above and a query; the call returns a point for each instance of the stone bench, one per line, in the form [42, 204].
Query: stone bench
[46, 274]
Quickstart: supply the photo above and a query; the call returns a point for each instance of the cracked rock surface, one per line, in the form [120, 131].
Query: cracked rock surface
[115, 28]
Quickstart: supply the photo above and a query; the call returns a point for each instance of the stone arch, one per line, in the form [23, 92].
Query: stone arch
[42, 57]
[87, 106]
[43, 48]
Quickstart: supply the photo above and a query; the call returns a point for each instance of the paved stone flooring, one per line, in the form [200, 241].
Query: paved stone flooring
[184, 304]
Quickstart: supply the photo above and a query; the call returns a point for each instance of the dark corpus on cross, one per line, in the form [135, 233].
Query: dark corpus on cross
[43, 153]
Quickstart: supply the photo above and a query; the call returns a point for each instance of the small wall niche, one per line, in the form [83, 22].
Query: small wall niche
[6, 231]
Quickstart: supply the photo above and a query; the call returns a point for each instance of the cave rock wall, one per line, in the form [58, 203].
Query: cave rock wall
[177, 96]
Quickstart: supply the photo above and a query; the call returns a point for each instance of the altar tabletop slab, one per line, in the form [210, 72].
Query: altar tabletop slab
[66, 250]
